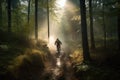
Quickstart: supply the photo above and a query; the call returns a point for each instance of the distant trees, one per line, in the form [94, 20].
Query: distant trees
[104, 19]
[100, 13]
[92, 41]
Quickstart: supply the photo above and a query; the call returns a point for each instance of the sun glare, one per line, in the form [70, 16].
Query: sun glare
[61, 3]
[58, 62]
[51, 42]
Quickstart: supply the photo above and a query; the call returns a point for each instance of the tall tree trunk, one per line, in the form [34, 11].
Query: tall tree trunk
[104, 26]
[91, 25]
[48, 19]
[9, 15]
[0, 13]
[86, 53]
[29, 10]
[119, 25]
[36, 19]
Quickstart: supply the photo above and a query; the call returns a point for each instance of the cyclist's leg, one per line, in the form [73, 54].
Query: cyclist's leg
[58, 49]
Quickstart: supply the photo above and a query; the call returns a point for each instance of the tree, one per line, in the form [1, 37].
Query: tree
[0, 13]
[91, 25]
[48, 18]
[118, 24]
[86, 53]
[104, 26]
[9, 14]
[36, 19]
[29, 10]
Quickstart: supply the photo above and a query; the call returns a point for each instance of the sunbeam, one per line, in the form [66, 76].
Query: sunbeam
[51, 43]
[61, 3]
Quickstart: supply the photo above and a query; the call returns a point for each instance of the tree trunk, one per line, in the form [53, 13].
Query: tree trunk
[91, 25]
[119, 31]
[9, 15]
[29, 10]
[48, 19]
[86, 53]
[36, 19]
[104, 26]
[119, 26]
[0, 14]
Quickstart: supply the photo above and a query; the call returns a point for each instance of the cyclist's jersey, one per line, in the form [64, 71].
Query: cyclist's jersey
[58, 43]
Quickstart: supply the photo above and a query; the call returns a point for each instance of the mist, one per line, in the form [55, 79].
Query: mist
[60, 25]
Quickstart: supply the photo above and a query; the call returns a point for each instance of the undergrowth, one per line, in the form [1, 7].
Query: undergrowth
[21, 58]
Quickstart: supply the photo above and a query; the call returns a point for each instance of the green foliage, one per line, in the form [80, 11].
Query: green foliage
[105, 25]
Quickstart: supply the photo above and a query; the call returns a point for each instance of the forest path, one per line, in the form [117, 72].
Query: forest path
[60, 67]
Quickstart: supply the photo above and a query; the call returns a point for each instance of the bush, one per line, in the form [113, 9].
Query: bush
[27, 67]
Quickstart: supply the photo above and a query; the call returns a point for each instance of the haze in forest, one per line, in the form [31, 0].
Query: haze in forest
[87, 48]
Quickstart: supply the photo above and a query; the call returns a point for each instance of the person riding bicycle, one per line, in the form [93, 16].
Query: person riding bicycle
[58, 44]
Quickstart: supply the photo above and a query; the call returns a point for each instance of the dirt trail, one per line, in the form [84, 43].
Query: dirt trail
[60, 67]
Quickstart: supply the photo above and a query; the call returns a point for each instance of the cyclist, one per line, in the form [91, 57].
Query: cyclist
[58, 44]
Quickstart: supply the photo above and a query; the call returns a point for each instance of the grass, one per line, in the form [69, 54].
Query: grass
[22, 58]
[27, 67]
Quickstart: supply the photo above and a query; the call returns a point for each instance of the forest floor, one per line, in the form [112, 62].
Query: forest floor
[62, 67]
[24, 59]
[59, 67]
